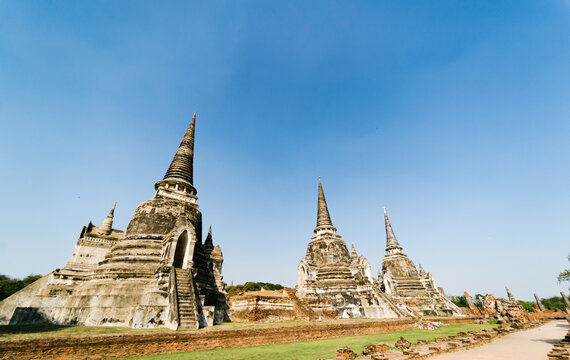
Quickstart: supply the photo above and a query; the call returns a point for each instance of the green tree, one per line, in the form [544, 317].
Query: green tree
[526, 305]
[9, 286]
[564, 275]
[459, 301]
[478, 302]
[253, 286]
[553, 303]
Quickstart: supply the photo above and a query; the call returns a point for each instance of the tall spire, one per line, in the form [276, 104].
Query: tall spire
[323, 216]
[209, 241]
[107, 225]
[391, 241]
[181, 171]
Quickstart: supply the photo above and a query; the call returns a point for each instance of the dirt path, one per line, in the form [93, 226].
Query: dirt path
[523, 345]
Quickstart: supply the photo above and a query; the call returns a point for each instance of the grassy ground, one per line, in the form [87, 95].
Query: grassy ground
[14, 332]
[311, 350]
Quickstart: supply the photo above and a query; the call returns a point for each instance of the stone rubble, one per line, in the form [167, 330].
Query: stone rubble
[344, 353]
[561, 351]
[404, 350]
[427, 325]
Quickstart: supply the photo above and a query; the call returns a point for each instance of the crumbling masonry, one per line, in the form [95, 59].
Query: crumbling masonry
[329, 272]
[156, 273]
[415, 291]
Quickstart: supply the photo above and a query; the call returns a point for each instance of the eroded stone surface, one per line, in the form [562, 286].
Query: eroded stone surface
[414, 292]
[156, 273]
[329, 272]
[504, 310]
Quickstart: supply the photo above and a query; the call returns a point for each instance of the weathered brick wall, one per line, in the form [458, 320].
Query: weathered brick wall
[116, 346]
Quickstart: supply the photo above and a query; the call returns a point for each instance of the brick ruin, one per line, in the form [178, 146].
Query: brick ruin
[505, 310]
[277, 305]
[329, 272]
[509, 310]
[156, 273]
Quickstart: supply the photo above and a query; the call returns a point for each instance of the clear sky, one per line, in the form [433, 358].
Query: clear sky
[455, 115]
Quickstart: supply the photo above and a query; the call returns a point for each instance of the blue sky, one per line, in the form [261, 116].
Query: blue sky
[454, 115]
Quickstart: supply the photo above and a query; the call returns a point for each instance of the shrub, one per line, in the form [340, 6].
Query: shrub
[527, 306]
[459, 300]
[479, 301]
[553, 303]
[253, 286]
[9, 286]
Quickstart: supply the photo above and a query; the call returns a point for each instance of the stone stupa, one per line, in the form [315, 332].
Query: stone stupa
[411, 289]
[329, 272]
[156, 273]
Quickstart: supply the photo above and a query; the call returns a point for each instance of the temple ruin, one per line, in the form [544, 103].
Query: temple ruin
[329, 272]
[415, 291]
[506, 310]
[156, 273]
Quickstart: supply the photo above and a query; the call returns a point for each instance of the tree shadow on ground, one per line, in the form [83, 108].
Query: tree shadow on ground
[30, 328]
[548, 341]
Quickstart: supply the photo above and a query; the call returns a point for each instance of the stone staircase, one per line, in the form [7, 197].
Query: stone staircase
[410, 287]
[187, 311]
[302, 310]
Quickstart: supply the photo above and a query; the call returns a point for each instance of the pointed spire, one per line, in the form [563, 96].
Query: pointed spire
[391, 241]
[323, 216]
[209, 241]
[107, 225]
[181, 170]
[353, 253]
[421, 269]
